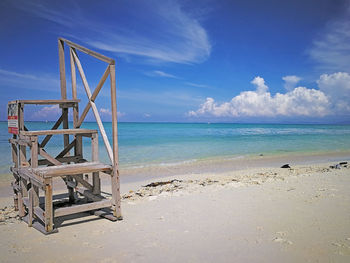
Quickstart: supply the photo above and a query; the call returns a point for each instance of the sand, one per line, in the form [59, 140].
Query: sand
[261, 214]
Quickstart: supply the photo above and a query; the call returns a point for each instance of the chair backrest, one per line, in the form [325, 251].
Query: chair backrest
[79, 119]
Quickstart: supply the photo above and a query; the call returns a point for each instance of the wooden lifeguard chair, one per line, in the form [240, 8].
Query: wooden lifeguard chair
[33, 184]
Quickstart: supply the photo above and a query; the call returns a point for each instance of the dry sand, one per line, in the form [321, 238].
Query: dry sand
[253, 215]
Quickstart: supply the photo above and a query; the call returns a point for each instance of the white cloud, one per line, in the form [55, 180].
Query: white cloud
[50, 112]
[337, 87]
[147, 115]
[331, 49]
[290, 82]
[159, 73]
[260, 103]
[105, 112]
[259, 82]
[164, 31]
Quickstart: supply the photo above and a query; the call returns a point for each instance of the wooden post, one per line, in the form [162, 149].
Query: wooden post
[48, 205]
[30, 207]
[115, 175]
[34, 152]
[22, 193]
[20, 117]
[14, 153]
[62, 69]
[96, 183]
[15, 164]
[34, 190]
[66, 143]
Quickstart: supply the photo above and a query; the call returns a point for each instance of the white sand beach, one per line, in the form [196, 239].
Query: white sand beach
[261, 214]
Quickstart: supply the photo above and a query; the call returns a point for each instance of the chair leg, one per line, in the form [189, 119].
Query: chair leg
[30, 207]
[48, 206]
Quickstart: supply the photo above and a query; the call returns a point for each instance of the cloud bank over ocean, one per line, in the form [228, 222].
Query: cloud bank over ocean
[332, 97]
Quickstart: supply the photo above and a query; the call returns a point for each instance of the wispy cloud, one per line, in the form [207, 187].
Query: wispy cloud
[331, 49]
[29, 81]
[163, 31]
[159, 73]
[196, 85]
[108, 113]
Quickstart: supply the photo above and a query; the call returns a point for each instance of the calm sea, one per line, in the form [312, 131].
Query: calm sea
[142, 144]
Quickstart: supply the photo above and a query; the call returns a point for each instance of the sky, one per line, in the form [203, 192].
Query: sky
[185, 61]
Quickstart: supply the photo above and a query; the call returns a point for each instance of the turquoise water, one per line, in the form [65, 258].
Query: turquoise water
[142, 144]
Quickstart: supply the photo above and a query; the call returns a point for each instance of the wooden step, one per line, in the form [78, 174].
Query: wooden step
[46, 102]
[82, 208]
[61, 131]
[72, 169]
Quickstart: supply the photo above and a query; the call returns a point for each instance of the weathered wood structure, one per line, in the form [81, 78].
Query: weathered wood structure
[34, 174]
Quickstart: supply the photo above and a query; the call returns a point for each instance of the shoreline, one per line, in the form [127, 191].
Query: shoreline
[215, 165]
[220, 165]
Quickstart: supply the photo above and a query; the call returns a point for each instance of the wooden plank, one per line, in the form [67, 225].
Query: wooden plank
[30, 207]
[94, 108]
[67, 159]
[115, 181]
[71, 169]
[88, 51]
[79, 179]
[62, 69]
[83, 115]
[48, 102]
[65, 127]
[49, 157]
[21, 210]
[20, 117]
[48, 206]
[61, 131]
[93, 96]
[39, 213]
[104, 214]
[36, 200]
[27, 174]
[54, 127]
[73, 74]
[96, 182]
[78, 149]
[23, 142]
[65, 150]
[68, 180]
[88, 194]
[34, 152]
[23, 194]
[100, 84]
[23, 156]
[14, 152]
[82, 208]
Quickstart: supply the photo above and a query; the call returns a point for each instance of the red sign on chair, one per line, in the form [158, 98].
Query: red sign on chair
[12, 118]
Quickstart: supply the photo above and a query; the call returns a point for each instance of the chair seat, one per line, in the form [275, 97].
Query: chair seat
[72, 169]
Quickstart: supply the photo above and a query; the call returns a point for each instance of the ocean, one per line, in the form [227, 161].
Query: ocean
[152, 144]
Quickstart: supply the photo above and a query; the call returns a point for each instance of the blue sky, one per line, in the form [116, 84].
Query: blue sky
[187, 61]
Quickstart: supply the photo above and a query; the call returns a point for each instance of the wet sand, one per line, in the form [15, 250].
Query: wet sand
[259, 214]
